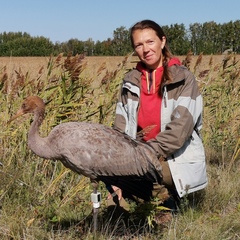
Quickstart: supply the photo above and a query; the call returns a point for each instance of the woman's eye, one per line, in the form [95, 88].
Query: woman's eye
[137, 46]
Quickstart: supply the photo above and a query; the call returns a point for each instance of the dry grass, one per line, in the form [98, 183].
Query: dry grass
[97, 65]
[40, 199]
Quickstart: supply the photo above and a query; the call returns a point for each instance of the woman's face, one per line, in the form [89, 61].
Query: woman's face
[148, 47]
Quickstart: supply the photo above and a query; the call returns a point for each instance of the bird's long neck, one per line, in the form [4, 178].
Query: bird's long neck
[36, 143]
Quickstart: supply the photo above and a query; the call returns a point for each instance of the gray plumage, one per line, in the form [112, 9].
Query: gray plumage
[93, 150]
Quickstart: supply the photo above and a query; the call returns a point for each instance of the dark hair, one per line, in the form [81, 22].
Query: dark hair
[166, 52]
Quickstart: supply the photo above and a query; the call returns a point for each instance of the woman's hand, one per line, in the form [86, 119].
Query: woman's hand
[117, 191]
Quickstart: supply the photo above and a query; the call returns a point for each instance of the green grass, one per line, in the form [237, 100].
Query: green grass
[41, 199]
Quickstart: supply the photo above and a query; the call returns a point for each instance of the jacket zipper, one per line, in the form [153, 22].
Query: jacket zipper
[164, 96]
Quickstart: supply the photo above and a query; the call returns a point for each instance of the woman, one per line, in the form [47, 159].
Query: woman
[162, 96]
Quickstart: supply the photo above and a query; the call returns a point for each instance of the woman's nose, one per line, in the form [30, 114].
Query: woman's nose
[145, 48]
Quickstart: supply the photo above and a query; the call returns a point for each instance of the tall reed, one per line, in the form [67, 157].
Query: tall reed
[41, 199]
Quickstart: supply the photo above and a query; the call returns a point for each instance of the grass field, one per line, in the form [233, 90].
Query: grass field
[33, 64]
[40, 199]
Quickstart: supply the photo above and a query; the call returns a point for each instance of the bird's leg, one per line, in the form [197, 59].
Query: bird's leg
[96, 199]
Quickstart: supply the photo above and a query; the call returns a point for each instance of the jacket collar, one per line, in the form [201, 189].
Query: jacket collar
[177, 72]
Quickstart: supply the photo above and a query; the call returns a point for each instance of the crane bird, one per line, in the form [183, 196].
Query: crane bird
[94, 150]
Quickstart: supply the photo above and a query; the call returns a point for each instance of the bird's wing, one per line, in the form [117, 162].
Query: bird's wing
[98, 150]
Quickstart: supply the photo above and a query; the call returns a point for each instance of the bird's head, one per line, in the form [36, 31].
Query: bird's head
[29, 105]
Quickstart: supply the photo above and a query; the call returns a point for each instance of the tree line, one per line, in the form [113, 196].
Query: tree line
[206, 38]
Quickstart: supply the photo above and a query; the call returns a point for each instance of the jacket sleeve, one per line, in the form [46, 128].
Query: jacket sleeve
[120, 114]
[127, 105]
[186, 114]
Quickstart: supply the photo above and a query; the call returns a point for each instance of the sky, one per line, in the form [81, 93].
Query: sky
[62, 20]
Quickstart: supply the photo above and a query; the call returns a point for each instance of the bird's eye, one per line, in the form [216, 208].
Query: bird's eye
[23, 105]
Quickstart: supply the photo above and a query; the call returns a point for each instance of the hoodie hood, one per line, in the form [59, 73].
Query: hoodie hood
[151, 79]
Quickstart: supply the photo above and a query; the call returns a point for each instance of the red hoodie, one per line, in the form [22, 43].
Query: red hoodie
[150, 103]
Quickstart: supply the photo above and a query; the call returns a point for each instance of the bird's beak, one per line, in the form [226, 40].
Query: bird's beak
[18, 114]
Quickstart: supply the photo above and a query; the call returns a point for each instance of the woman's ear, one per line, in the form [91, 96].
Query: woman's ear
[163, 42]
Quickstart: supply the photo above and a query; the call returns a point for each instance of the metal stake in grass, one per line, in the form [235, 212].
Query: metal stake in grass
[96, 200]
